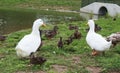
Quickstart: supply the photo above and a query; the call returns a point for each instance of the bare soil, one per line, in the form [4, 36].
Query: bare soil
[94, 69]
[59, 68]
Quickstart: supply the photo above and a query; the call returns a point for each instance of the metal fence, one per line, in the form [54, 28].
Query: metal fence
[87, 2]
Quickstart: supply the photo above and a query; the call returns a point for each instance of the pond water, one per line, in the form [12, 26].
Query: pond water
[14, 20]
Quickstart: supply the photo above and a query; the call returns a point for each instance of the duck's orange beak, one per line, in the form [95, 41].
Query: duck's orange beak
[44, 25]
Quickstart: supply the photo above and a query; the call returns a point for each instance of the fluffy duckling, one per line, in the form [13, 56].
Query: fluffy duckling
[77, 34]
[114, 19]
[36, 60]
[51, 33]
[71, 27]
[31, 42]
[69, 40]
[2, 38]
[95, 40]
[60, 43]
[115, 37]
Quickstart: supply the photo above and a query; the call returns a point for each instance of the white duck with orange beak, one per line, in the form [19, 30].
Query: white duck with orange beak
[95, 40]
[31, 42]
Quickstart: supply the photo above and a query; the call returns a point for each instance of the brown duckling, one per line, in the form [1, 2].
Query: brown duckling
[115, 37]
[51, 33]
[36, 60]
[77, 34]
[114, 19]
[60, 43]
[97, 28]
[2, 38]
[71, 27]
[69, 40]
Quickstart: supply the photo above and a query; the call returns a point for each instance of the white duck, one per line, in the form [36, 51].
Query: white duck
[30, 43]
[96, 41]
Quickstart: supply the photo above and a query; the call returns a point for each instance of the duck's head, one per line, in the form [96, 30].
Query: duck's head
[39, 22]
[91, 24]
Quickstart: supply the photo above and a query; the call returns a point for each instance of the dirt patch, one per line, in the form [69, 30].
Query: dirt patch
[59, 68]
[22, 72]
[2, 56]
[40, 72]
[115, 72]
[94, 69]
[43, 7]
[55, 7]
[76, 59]
[30, 72]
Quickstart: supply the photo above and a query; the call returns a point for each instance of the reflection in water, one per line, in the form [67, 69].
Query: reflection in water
[14, 20]
[11, 21]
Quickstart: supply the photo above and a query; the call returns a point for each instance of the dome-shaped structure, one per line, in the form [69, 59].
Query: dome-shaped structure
[97, 9]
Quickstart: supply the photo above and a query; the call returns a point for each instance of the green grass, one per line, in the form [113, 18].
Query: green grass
[75, 61]
[42, 4]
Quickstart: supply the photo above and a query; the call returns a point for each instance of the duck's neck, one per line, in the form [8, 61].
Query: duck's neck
[35, 30]
[92, 27]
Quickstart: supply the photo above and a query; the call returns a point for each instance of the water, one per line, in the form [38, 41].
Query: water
[11, 21]
[15, 20]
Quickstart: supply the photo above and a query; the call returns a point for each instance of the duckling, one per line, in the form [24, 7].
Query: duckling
[69, 40]
[115, 37]
[51, 33]
[114, 19]
[36, 60]
[71, 27]
[60, 43]
[2, 38]
[97, 28]
[95, 40]
[77, 34]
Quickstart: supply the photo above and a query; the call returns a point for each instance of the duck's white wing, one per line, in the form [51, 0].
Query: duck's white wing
[29, 43]
[96, 41]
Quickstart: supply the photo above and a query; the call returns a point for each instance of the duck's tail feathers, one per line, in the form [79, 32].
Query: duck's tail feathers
[21, 53]
[110, 43]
